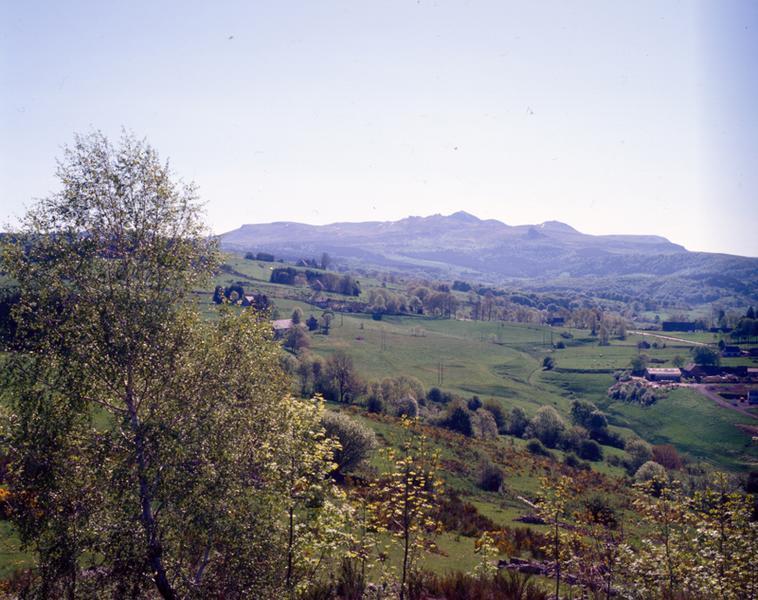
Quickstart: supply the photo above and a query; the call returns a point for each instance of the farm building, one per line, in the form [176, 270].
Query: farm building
[653, 374]
[731, 351]
[281, 326]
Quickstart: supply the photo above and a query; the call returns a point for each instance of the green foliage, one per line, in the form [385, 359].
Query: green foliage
[497, 412]
[491, 477]
[297, 340]
[534, 446]
[650, 471]
[639, 364]
[459, 419]
[547, 426]
[638, 453]
[157, 499]
[702, 355]
[356, 442]
[403, 500]
[517, 421]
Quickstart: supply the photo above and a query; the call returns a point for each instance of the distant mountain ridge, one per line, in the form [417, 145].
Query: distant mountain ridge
[461, 243]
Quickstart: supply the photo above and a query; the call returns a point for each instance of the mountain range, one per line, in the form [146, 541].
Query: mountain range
[463, 245]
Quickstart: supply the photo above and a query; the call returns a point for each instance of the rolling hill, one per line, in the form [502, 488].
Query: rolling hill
[554, 253]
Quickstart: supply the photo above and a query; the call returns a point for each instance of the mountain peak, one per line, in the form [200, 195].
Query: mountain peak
[557, 226]
[462, 215]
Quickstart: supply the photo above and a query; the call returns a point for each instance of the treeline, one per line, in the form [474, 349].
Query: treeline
[319, 281]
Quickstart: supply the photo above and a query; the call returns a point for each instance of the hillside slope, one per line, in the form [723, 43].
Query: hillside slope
[463, 244]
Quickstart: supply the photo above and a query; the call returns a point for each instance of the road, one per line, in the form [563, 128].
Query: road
[703, 389]
[669, 338]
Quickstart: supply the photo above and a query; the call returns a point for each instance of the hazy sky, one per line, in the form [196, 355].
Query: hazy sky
[615, 117]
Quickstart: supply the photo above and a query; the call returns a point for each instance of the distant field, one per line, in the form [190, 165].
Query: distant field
[503, 361]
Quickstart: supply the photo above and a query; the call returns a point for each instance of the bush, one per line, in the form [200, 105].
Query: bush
[374, 404]
[590, 450]
[650, 471]
[458, 419]
[601, 511]
[534, 446]
[548, 426]
[571, 460]
[407, 407]
[312, 323]
[667, 456]
[434, 395]
[474, 403]
[484, 425]
[497, 413]
[356, 441]
[638, 453]
[702, 355]
[608, 438]
[297, 339]
[548, 363]
[517, 421]
[503, 585]
[491, 477]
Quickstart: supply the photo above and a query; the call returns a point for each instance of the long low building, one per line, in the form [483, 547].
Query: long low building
[663, 374]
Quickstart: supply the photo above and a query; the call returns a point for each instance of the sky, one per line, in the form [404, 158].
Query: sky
[614, 117]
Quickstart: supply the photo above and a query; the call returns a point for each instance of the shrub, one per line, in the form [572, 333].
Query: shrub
[356, 441]
[667, 456]
[484, 425]
[638, 453]
[650, 471]
[571, 460]
[517, 421]
[297, 339]
[374, 404]
[434, 395]
[601, 511]
[497, 413]
[590, 450]
[491, 477]
[548, 363]
[458, 419]
[608, 438]
[505, 585]
[534, 446]
[639, 364]
[547, 426]
[407, 407]
[474, 403]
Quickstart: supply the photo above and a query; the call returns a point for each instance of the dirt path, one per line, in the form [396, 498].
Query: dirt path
[703, 389]
[666, 337]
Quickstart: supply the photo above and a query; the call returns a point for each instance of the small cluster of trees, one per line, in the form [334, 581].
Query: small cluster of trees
[318, 281]
[695, 546]
[261, 256]
[746, 329]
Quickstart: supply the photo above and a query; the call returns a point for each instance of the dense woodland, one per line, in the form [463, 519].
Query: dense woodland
[158, 441]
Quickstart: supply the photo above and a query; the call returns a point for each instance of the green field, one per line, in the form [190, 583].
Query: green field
[499, 361]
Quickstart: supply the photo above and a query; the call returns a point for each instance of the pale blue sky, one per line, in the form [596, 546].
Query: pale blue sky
[626, 117]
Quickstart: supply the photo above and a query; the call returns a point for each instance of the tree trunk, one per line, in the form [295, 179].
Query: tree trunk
[154, 548]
